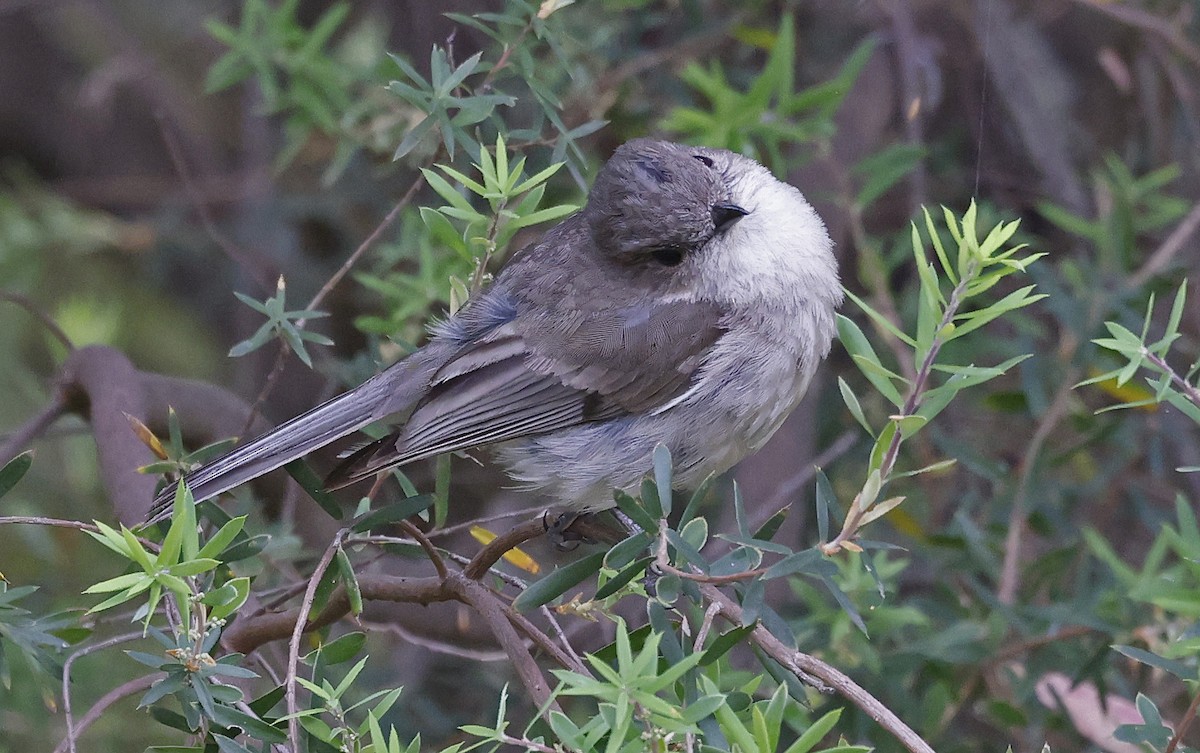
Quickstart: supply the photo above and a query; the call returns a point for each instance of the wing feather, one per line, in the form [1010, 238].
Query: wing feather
[538, 375]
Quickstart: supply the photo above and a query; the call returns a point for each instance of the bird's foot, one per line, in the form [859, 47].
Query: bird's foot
[560, 529]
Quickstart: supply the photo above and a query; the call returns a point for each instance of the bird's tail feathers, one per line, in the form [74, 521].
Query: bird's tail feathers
[326, 423]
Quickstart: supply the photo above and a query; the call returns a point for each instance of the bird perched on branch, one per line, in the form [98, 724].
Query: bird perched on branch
[687, 303]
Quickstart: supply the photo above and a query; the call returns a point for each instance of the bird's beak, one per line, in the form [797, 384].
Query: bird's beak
[725, 214]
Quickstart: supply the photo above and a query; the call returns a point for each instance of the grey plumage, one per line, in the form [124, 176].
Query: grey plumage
[688, 303]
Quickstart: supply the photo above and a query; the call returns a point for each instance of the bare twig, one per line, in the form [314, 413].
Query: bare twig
[519, 513]
[298, 630]
[1162, 255]
[72, 732]
[20, 439]
[252, 631]
[430, 550]
[136, 685]
[36, 312]
[251, 265]
[782, 496]
[440, 647]
[1147, 21]
[331, 283]
[368, 242]
[496, 549]
[567, 660]
[1006, 590]
[1188, 717]
[496, 616]
[823, 676]
[38, 520]
[706, 625]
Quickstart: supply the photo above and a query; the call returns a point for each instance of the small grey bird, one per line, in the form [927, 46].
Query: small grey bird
[688, 303]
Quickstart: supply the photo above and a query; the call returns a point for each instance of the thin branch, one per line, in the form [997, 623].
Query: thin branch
[1006, 590]
[496, 549]
[20, 439]
[72, 732]
[568, 661]
[38, 520]
[706, 625]
[1148, 22]
[136, 685]
[449, 530]
[251, 265]
[495, 615]
[1188, 717]
[1162, 255]
[36, 312]
[782, 496]
[1188, 390]
[370, 241]
[440, 647]
[430, 550]
[824, 677]
[310, 595]
[250, 632]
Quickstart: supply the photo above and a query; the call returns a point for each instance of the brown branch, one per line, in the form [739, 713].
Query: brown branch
[102, 385]
[72, 733]
[310, 594]
[370, 241]
[1006, 591]
[497, 547]
[823, 676]
[1147, 21]
[430, 550]
[136, 685]
[250, 632]
[37, 424]
[36, 312]
[495, 615]
[543, 641]
[1162, 255]
[1188, 717]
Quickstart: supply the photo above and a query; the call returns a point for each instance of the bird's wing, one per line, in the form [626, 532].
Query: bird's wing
[538, 375]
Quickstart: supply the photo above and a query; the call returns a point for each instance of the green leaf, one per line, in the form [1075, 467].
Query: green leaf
[852, 404]
[825, 500]
[885, 169]
[558, 582]
[119, 583]
[13, 470]
[1177, 668]
[228, 598]
[222, 538]
[936, 239]
[189, 568]
[662, 477]
[624, 553]
[815, 733]
[635, 511]
[312, 484]
[879, 319]
[393, 512]
[623, 578]
[349, 580]
[860, 350]
[343, 648]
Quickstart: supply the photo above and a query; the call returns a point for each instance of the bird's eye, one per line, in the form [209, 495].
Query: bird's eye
[703, 159]
[668, 256]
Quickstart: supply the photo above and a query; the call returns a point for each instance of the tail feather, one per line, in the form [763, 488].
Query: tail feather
[374, 399]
